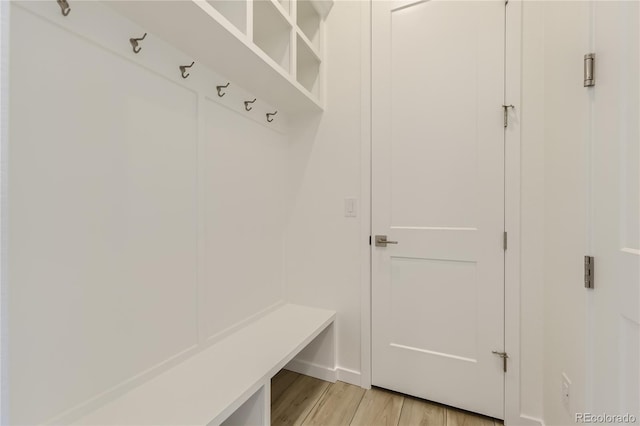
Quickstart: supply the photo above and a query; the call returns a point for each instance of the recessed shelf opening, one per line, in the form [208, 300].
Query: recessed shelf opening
[272, 32]
[307, 68]
[308, 21]
[235, 11]
[286, 5]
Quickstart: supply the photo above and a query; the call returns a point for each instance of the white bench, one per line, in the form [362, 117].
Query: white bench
[227, 383]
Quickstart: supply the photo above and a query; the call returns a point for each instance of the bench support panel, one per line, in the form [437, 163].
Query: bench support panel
[255, 411]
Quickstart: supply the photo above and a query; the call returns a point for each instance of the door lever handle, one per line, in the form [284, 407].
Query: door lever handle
[381, 241]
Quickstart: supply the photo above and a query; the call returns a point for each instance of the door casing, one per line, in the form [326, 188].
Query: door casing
[513, 65]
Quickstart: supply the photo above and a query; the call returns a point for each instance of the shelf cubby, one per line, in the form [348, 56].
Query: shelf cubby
[307, 67]
[308, 20]
[271, 48]
[272, 32]
[286, 5]
[234, 11]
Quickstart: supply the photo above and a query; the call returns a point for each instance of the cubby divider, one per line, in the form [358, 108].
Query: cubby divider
[272, 32]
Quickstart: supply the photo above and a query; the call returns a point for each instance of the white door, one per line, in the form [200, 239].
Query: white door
[438, 190]
[614, 310]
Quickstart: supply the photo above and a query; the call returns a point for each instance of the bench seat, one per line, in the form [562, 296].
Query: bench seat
[210, 386]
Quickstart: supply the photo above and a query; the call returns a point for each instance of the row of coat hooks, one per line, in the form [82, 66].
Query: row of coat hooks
[135, 45]
[183, 72]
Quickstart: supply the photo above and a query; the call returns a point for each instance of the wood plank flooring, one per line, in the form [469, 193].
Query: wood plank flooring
[298, 400]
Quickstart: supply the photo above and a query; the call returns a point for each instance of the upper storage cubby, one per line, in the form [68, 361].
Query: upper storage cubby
[271, 48]
[308, 21]
[272, 32]
[234, 11]
[308, 67]
[286, 5]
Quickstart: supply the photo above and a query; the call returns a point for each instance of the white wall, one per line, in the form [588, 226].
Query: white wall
[565, 149]
[590, 335]
[146, 215]
[323, 246]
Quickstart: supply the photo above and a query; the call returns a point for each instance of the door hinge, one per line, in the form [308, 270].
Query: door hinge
[504, 357]
[369, 239]
[504, 240]
[505, 108]
[589, 66]
[589, 264]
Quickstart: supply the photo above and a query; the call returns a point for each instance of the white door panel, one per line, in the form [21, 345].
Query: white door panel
[438, 189]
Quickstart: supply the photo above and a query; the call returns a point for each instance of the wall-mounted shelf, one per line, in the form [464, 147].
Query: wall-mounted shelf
[286, 5]
[323, 7]
[272, 32]
[272, 48]
[308, 67]
[308, 20]
[234, 11]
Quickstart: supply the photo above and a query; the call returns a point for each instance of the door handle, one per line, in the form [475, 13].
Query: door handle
[381, 241]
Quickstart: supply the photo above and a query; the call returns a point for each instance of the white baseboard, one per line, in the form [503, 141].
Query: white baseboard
[307, 368]
[323, 372]
[349, 376]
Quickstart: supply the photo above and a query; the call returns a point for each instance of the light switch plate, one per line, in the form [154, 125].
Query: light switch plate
[350, 207]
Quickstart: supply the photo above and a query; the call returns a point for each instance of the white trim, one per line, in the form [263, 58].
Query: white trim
[210, 340]
[96, 401]
[4, 144]
[307, 368]
[349, 376]
[365, 191]
[323, 372]
[513, 84]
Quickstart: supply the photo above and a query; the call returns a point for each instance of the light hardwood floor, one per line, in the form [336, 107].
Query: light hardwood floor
[302, 400]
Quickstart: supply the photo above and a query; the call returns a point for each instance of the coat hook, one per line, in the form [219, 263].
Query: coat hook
[134, 43]
[269, 114]
[183, 69]
[246, 104]
[220, 92]
[64, 7]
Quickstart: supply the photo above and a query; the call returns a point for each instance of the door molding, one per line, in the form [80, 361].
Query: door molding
[4, 143]
[513, 84]
[513, 65]
[365, 195]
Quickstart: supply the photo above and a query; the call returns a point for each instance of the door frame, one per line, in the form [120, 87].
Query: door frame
[513, 67]
[4, 173]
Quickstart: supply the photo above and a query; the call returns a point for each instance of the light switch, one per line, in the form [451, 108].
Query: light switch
[350, 207]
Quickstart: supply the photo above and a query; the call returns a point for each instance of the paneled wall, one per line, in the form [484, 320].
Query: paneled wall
[146, 214]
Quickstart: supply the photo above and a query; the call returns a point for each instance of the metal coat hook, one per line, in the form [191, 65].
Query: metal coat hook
[506, 114]
[220, 92]
[246, 104]
[64, 7]
[269, 114]
[134, 43]
[183, 69]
